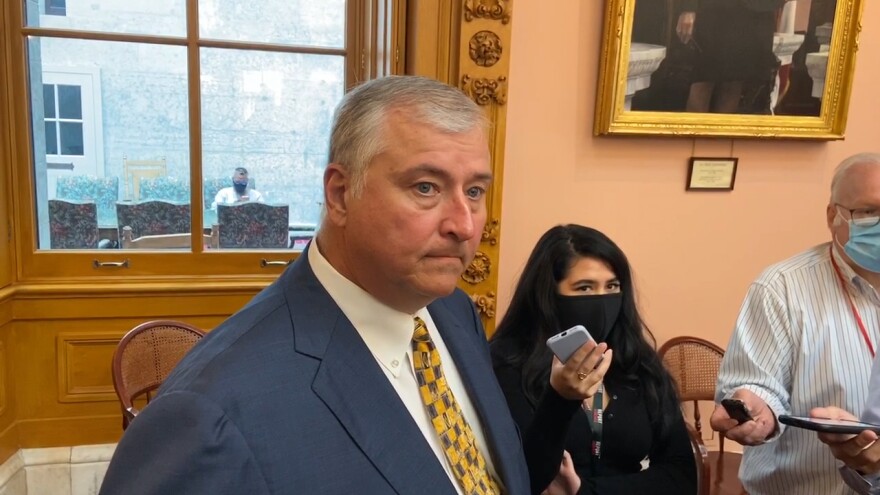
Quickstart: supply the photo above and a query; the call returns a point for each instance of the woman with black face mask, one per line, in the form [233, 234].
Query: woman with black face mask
[625, 435]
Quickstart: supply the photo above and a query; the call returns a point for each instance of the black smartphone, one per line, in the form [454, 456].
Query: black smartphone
[828, 425]
[737, 410]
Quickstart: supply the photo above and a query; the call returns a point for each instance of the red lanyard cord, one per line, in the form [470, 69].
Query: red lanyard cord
[852, 305]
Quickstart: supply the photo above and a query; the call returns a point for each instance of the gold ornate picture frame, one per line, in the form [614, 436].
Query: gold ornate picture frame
[653, 63]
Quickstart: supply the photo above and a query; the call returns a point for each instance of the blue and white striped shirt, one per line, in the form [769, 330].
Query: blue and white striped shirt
[797, 346]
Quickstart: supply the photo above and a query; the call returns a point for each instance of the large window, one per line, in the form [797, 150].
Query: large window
[56, 7]
[144, 115]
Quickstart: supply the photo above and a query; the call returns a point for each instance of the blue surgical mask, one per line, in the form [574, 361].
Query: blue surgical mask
[863, 246]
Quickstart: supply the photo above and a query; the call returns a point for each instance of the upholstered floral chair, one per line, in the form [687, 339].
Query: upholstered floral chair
[104, 191]
[153, 217]
[253, 226]
[164, 188]
[73, 224]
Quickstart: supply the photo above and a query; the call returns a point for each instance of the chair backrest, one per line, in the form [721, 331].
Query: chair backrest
[211, 186]
[254, 225]
[135, 170]
[167, 241]
[693, 363]
[144, 358]
[104, 191]
[73, 224]
[164, 188]
[153, 217]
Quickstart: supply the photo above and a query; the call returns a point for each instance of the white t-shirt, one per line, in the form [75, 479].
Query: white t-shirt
[228, 196]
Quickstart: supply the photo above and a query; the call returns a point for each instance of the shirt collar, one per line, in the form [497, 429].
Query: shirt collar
[386, 331]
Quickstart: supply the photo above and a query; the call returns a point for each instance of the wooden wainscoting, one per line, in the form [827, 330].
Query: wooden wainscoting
[57, 343]
[8, 432]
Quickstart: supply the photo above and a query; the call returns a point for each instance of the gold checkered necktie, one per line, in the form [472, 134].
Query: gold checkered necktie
[455, 434]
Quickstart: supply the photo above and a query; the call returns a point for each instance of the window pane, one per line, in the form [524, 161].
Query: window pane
[69, 102]
[297, 22]
[49, 100]
[159, 17]
[56, 7]
[269, 113]
[130, 143]
[51, 138]
[71, 138]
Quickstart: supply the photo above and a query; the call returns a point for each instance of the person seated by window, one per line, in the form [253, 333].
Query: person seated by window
[616, 424]
[239, 192]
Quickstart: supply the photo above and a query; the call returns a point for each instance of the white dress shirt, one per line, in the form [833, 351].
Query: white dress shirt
[870, 483]
[797, 345]
[228, 196]
[388, 334]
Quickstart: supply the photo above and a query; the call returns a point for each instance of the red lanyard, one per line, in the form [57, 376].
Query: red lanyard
[852, 306]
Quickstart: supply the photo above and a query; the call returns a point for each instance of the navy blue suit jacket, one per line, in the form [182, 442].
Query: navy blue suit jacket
[284, 397]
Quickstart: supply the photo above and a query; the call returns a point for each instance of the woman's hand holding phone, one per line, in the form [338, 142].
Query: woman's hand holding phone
[579, 377]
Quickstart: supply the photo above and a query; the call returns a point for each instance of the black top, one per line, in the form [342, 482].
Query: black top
[628, 438]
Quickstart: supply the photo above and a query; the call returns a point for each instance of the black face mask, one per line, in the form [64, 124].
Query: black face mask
[240, 187]
[597, 313]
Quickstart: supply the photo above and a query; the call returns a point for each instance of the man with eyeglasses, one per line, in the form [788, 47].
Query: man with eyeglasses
[806, 337]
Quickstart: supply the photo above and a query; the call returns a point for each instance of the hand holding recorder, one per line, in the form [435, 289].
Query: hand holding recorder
[745, 419]
[579, 364]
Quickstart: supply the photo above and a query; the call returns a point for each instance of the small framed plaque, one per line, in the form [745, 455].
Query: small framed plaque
[711, 174]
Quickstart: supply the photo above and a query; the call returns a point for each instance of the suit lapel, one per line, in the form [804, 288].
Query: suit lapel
[352, 385]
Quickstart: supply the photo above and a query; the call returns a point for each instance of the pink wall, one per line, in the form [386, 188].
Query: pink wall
[694, 254]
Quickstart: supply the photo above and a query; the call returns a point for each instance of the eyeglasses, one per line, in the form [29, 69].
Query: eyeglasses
[863, 217]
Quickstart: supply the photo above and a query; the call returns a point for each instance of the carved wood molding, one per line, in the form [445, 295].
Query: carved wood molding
[498, 10]
[490, 232]
[478, 270]
[485, 90]
[485, 48]
[485, 304]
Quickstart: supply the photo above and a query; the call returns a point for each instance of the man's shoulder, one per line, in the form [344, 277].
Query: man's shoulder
[801, 266]
[458, 303]
[235, 347]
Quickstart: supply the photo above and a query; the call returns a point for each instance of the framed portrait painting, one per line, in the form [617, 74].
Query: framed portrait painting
[738, 68]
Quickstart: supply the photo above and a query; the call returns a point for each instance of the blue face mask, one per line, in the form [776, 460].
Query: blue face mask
[863, 246]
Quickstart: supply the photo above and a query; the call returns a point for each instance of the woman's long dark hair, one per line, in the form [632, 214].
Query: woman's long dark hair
[520, 337]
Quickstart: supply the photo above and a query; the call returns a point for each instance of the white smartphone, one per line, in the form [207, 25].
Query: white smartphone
[565, 343]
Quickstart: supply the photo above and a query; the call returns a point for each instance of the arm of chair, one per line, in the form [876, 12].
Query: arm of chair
[701, 459]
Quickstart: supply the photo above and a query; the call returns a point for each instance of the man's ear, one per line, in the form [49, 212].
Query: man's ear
[337, 185]
[830, 214]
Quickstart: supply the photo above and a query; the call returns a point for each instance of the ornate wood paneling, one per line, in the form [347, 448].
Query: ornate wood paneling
[467, 44]
[6, 245]
[81, 376]
[484, 54]
[8, 432]
[64, 393]
[3, 375]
